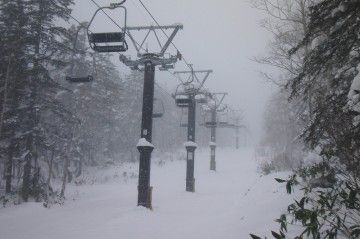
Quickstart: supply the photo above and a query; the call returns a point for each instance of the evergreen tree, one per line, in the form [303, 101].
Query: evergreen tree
[329, 207]
[13, 77]
[329, 70]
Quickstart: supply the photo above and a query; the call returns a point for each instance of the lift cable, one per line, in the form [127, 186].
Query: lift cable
[139, 10]
[96, 4]
[172, 43]
[108, 14]
[76, 20]
[159, 86]
[154, 19]
[111, 19]
[157, 23]
[187, 64]
[162, 89]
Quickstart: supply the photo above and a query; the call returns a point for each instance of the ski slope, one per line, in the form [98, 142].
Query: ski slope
[227, 204]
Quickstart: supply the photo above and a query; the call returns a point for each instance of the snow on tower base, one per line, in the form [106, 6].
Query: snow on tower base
[144, 143]
[190, 144]
[212, 144]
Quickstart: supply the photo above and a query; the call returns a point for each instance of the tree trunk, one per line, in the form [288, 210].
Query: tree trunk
[26, 178]
[79, 167]
[64, 179]
[49, 179]
[9, 168]
[3, 108]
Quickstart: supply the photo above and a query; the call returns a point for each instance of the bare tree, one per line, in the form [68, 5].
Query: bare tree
[287, 23]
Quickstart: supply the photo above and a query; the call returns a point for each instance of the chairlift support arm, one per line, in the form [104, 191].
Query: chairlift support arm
[218, 102]
[175, 27]
[194, 73]
[111, 7]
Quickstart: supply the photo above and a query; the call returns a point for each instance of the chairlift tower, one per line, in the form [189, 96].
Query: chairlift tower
[147, 62]
[237, 134]
[216, 107]
[233, 124]
[189, 99]
[236, 125]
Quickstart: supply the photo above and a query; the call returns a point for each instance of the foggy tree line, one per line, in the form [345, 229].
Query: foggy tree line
[315, 47]
[50, 129]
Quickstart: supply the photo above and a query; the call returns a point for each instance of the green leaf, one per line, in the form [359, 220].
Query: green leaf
[356, 232]
[277, 236]
[301, 203]
[279, 180]
[254, 236]
[289, 187]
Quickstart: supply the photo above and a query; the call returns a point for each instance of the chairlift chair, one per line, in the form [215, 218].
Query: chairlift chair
[104, 42]
[183, 118]
[208, 123]
[85, 79]
[190, 88]
[222, 119]
[223, 124]
[182, 100]
[77, 79]
[201, 99]
[159, 108]
[166, 67]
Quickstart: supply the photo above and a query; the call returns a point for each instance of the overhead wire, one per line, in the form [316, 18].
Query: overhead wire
[81, 24]
[140, 46]
[111, 19]
[154, 19]
[157, 23]
[172, 43]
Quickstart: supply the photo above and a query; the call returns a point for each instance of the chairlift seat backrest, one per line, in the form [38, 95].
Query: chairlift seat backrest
[119, 48]
[166, 67]
[106, 37]
[210, 124]
[201, 100]
[158, 115]
[183, 102]
[85, 79]
[159, 108]
[223, 123]
[108, 41]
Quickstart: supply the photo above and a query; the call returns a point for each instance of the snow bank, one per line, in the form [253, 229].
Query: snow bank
[229, 204]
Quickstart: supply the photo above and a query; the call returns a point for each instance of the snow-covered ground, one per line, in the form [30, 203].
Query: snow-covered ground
[229, 203]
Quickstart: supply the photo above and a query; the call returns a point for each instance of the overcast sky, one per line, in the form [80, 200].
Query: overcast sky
[218, 35]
